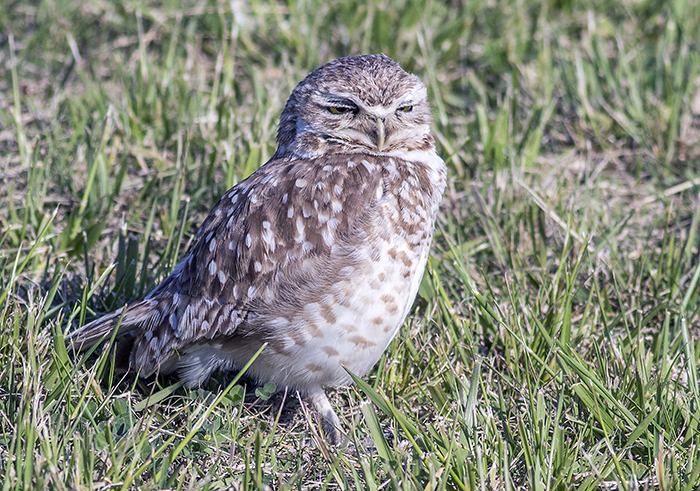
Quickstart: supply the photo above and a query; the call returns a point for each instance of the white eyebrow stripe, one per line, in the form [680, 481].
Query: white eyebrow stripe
[381, 111]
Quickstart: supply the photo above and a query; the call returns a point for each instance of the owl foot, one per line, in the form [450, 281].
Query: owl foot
[330, 422]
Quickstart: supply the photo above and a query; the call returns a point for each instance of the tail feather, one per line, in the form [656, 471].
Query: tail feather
[91, 333]
[146, 338]
[100, 329]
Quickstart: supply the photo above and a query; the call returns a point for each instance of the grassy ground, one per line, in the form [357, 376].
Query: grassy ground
[555, 341]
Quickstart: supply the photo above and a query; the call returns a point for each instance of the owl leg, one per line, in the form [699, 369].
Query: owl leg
[330, 423]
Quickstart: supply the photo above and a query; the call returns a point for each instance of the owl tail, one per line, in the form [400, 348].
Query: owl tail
[134, 324]
[126, 319]
[99, 329]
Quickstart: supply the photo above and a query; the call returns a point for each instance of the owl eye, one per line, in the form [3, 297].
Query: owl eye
[406, 109]
[339, 109]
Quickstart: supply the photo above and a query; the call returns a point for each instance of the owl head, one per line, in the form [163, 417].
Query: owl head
[357, 104]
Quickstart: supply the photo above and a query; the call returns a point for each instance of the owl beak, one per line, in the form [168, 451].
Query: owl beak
[380, 133]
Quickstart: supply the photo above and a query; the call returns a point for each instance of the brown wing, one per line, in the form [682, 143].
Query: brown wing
[253, 248]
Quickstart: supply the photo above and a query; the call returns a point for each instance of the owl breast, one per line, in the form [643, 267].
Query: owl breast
[354, 300]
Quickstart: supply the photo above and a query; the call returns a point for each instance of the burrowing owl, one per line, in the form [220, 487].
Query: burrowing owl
[319, 253]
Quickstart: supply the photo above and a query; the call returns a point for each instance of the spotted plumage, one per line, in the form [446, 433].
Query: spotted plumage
[319, 253]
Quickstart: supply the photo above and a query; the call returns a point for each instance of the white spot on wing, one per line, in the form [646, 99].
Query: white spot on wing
[306, 210]
[268, 235]
[405, 191]
[369, 166]
[328, 237]
[301, 236]
[212, 268]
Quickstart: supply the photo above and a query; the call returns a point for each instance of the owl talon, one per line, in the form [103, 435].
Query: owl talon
[330, 422]
[334, 436]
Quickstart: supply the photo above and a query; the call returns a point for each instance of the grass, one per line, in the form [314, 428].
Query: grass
[555, 341]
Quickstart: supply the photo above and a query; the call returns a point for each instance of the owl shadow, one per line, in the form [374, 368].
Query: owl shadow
[280, 411]
[265, 404]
